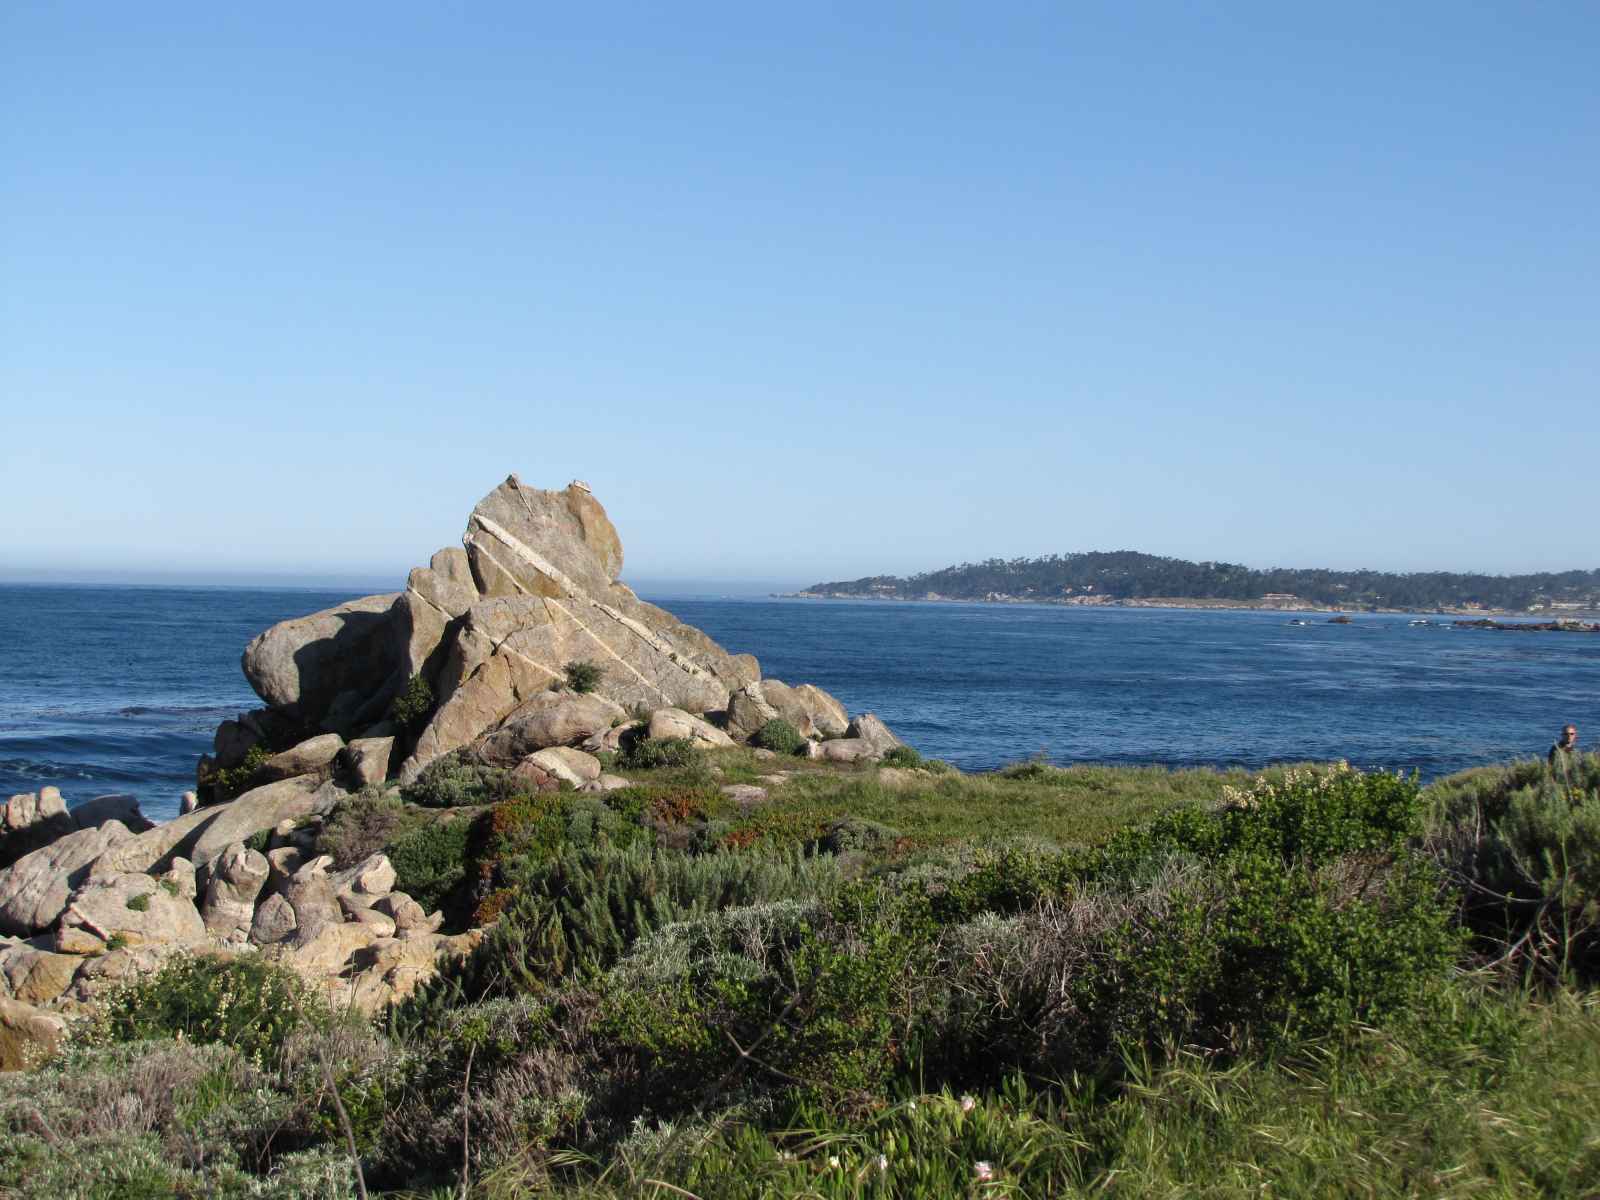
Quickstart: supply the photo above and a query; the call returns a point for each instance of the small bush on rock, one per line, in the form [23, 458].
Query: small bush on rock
[778, 736]
[457, 782]
[363, 825]
[412, 707]
[583, 677]
[228, 783]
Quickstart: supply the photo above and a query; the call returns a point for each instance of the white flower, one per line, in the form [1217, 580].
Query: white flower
[833, 1161]
[968, 1104]
[983, 1172]
[883, 1162]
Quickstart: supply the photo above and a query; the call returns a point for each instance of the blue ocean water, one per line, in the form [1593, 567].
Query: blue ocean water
[119, 688]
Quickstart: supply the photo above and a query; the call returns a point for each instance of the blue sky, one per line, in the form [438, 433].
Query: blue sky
[803, 292]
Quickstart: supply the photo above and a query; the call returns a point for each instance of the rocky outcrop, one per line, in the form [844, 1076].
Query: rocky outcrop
[30, 821]
[491, 628]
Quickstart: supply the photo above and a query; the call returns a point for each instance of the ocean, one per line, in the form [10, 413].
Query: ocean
[118, 689]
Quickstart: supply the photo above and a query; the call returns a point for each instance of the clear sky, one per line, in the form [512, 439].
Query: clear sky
[803, 291]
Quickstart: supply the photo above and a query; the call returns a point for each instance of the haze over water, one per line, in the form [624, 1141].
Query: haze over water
[108, 689]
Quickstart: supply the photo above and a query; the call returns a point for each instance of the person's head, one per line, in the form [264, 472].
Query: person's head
[1569, 735]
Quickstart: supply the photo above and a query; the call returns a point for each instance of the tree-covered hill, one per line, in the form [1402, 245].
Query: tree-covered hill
[1129, 575]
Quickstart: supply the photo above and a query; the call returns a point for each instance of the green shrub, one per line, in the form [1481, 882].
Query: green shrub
[246, 1003]
[1523, 845]
[139, 902]
[854, 835]
[227, 783]
[778, 736]
[574, 914]
[583, 677]
[364, 824]
[902, 756]
[456, 782]
[430, 860]
[645, 754]
[412, 705]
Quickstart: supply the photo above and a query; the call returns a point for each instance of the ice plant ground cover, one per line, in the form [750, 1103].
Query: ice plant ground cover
[1040, 982]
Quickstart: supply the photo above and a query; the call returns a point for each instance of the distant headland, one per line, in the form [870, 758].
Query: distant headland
[1128, 578]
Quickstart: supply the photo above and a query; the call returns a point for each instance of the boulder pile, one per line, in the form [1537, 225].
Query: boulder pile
[519, 649]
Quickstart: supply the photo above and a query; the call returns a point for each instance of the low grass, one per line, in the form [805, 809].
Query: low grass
[1486, 1096]
[1080, 805]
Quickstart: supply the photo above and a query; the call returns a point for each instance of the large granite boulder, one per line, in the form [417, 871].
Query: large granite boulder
[339, 662]
[366, 761]
[28, 1035]
[130, 909]
[525, 541]
[34, 975]
[118, 806]
[548, 719]
[808, 708]
[748, 711]
[32, 820]
[237, 878]
[566, 764]
[202, 835]
[314, 756]
[35, 890]
[675, 723]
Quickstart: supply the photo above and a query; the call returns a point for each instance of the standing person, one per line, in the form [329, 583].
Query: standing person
[1564, 750]
[1563, 757]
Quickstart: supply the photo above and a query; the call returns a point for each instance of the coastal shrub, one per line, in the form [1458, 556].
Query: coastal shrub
[412, 705]
[1302, 816]
[902, 756]
[825, 1009]
[247, 1003]
[1522, 843]
[430, 860]
[649, 753]
[363, 824]
[457, 782]
[493, 1086]
[854, 835]
[228, 783]
[779, 736]
[583, 677]
[575, 913]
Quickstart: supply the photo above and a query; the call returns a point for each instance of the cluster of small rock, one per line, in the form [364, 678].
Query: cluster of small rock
[97, 894]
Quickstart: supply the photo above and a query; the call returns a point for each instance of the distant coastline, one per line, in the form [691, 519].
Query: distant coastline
[1568, 616]
[1132, 579]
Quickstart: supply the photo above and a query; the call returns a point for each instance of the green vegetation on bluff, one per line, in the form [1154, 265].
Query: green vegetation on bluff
[1042, 982]
[1128, 575]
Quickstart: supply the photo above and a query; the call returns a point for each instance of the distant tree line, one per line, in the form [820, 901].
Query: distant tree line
[1128, 575]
